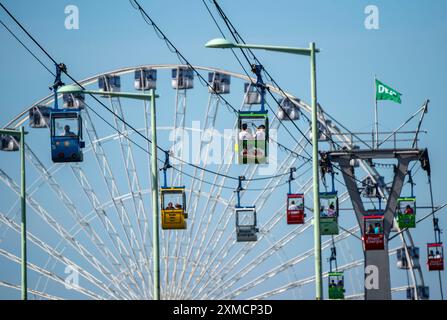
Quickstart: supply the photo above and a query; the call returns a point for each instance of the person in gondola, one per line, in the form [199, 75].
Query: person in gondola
[245, 134]
[293, 206]
[408, 209]
[331, 210]
[438, 255]
[170, 206]
[431, 254]
[67, 132]
[260, 133]
[178, 206]
[370, 229]
[340, 283]
[323, 212]
[332, 284]
[377, 228]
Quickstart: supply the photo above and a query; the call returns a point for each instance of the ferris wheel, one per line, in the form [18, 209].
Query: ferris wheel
[230, 229]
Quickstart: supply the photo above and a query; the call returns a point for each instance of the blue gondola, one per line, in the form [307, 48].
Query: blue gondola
[66, 136]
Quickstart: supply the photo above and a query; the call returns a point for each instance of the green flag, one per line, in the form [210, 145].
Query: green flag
[384, 92]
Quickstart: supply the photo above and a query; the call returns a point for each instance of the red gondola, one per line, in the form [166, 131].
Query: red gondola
[373, 238]
[295, 208]
[435, 257]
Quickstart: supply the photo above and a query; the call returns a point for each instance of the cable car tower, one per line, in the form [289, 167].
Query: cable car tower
[376, 225]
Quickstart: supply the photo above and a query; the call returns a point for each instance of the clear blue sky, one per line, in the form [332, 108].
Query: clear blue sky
[407, 52]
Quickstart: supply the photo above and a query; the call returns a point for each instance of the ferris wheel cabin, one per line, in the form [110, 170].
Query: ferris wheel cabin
[295, 208]
[402, 261]
[39, 117]
[74, 100]
[145, 79]
[435, 256]
[252, 146]
[329, 212]
[288, 110]
[252, 94]
[173, 207]
[246, 224]
[219, 83]
[182, 78]
[9, 143]
[66, 136]
[374, 237]
[109, 83]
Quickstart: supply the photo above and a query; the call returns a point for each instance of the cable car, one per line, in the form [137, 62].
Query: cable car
[252, 94]
[295, 208]
[219, 82]
[173, 204]
[74, 100]
[182, 78]
[9, 143]
[402, 262]
[246, 224]
[39, 117]
[322, 133]
[435, 256]
[329, 213]
[145, 79]
[374, 238]
[109, 83]
[288, 107]
[252, 146]
[66, 136]
[406, 212]
[423, 293]
[336, 285]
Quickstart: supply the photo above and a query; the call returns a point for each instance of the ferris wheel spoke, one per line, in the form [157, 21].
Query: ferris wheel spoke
[302, 282]
[123, 215]
[133, 183]
[277, 270]
[33, 292]
[53, 276]
[59, 256]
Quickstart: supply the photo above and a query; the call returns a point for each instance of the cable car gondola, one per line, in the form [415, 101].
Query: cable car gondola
[66, 136]
[423, 293]
[145, 79]
[406, 212]
[39, 117]
[295, 208]
[219, 83]
[246, 220]
[173, 203]
[336, 285]
[373, 237]
[329, 211]
[252, 146]
[435, 256]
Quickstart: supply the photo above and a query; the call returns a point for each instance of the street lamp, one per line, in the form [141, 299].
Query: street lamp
[21, 134]
[310, 52]
[151, 96]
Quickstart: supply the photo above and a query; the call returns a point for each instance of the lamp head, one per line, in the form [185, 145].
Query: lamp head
[219, 43]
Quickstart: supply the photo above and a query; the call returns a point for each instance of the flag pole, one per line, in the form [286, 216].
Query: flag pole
[376, 116]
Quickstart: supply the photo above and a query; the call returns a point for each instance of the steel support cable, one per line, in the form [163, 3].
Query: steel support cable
[111, 111]
[33, 292]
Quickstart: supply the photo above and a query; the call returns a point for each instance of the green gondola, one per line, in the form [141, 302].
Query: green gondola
[406, 212]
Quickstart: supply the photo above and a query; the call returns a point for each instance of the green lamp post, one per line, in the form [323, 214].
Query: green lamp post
[310, 52]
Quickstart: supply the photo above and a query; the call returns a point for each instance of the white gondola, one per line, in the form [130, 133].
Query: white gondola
[219, 82]
[109, 83]
[402, 262]
[370, 188]
[246, 224]
[323, 134]
[290, 108]
[182, 78]
[9, 143]
[422, 291]
[39, 116]
[252, 94]
[74, 100]
[145, 79]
